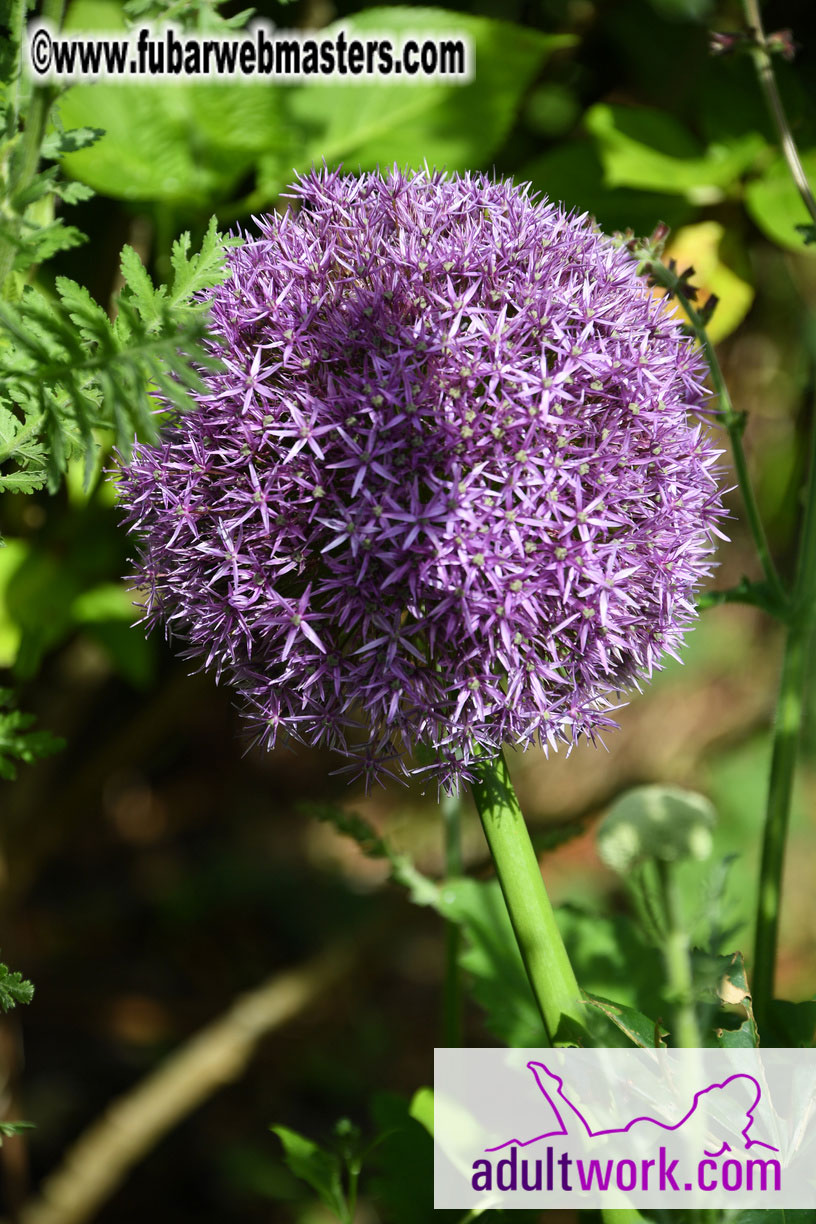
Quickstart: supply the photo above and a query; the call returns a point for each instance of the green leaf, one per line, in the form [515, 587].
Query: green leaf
[36, 245]
[572, 173]
[422, 1108]
[139, 289]
[650, 150]
[612, 958]
[641, 1031]
[492, 959]
[73, 193]
[68, 370]
[774, 204]
[20, 744]
[202, 270]
[14, 989]
[401, 1158]
[59, 142]
[742, 1038]
[318, 1168]
[8, 1129]
[19, 432]
[733, 992]
[446, 122]
[186, 144]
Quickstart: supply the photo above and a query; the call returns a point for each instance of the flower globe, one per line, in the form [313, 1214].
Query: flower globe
[449, 487]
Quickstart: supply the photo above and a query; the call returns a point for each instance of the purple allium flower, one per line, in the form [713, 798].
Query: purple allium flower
[450, 488]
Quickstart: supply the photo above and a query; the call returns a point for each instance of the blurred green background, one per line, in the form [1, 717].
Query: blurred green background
[155, 869]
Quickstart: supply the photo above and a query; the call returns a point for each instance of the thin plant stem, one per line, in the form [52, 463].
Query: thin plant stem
[764, 65]
[452, 997]
[784, 752]
[800, 622]
[777, 814]
[734, 423]
[354, 1178]
[25, 158]
[677, 956]
[550, 973]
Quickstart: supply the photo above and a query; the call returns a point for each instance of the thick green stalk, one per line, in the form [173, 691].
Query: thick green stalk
[542, 949]
[452, 999]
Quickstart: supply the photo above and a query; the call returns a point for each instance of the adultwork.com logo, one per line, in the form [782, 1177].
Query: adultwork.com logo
[721, 1115]
[659, 1128]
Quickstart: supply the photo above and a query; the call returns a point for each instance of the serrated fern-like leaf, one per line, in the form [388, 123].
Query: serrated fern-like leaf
[14, 989]
[14, 1128]
[19, 743]
[67, 370]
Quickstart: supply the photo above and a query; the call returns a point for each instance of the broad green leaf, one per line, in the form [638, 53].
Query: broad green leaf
[774, 203]
[181, 144]
[492, 959]
[186, 143]
[649, 149]
[445, 122]
[422, 1108]
[318, 1168]
[401, 1161]
[108, 601]
[572, 174]
[612, 959]
[641, 1031]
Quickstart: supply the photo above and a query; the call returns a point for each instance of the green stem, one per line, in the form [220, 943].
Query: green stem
[734, 423]
[452, 999]
[677, 955]
[767, 80]
[354, 1177]
[539, 941]
[784, 751]
[777, 812]
[26, 156]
